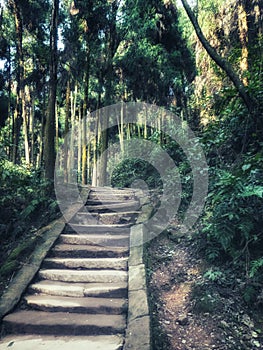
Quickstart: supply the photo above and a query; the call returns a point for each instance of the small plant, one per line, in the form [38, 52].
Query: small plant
[256, 267]
[214, 275]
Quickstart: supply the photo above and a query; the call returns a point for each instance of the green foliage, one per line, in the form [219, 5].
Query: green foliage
[206, 300]
[234, 210]
[214, 275]
[256, 267]
[19, 255]
[249, 295]
[134, 169]
[153, 54]
[23, 195]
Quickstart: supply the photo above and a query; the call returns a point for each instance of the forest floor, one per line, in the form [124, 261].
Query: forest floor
[194, 307]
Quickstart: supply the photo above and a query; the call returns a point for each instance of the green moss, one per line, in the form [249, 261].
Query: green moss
[8, 268]
[18, 255]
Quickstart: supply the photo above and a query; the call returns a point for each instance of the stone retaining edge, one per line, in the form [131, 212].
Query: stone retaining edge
[24, 276]
[138, 332]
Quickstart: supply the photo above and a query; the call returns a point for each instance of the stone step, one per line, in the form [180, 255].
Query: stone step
[93, 239]
[92, 263]
[121, 214]
[84, 276]
[106, 229]
[61, 323]
[83, 218]
[102, 290]
[42, 342]
[110, 190]
[87, 251]
[108, 200]
[77, 305]
[110, 197]
[119, 207]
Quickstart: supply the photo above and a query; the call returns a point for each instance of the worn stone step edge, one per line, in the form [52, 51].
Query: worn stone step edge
[133, 212]
[48, 342]
[122, 215]
[110, 189]
[119, 206]
[98, 228]
[86, 247]
[95, 239]
[86, 305]
[103, 290]
[87, 263]
[109, 201]
[84, 276]
[87, 251]
[62, 323]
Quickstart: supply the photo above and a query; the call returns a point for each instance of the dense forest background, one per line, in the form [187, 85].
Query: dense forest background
[61, 60]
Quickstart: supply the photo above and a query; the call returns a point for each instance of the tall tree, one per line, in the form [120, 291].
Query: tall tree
[17, 118]
[112, 43]
[49, 142]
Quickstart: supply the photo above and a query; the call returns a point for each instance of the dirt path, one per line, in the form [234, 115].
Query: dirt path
[194, 308]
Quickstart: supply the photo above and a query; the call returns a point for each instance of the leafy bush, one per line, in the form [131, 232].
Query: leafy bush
[233, 217]
[23, 196]
[134, 169]
[234, 211]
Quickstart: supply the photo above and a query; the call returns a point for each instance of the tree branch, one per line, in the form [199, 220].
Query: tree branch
[220, 61]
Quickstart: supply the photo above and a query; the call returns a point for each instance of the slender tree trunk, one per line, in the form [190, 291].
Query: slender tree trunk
[79, 145]
[121, 129]
[72, 136]
[17, 117]
[49, 141]
[10, 115]
[112, 46]
[32, 127]
[145, 133]
[220, 61]
[94, 167]
[104, 147]
[25, 127]
[243, 35]
[85, 107]
[97, 136]
[96, 140]
[128, 131]
[67, 119]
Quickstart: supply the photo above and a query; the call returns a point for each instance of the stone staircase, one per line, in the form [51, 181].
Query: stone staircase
[81, 288]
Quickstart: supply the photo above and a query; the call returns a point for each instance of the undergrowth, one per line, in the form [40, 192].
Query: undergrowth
[25, 205]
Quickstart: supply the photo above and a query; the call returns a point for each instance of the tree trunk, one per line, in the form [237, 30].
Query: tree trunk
[112, 45]
[104, 147]
[49, 141]
[32, 127]
[67, 119]
[243, 35]
[10, 115]
[25, 126]
[79, 143]
[85, 107]
[17, 117]
[220, 61]
[71, 152]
